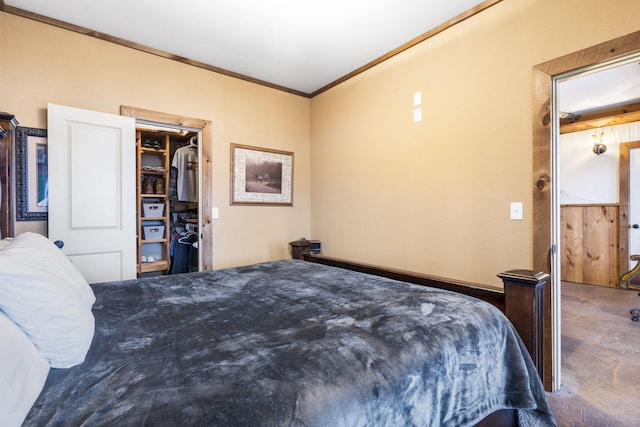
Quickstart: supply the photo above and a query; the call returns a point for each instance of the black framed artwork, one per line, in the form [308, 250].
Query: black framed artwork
[32, 179]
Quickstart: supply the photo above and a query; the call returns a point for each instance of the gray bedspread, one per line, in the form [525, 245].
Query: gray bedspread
[291, 343]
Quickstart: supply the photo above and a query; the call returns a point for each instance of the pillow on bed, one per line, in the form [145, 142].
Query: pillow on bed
[22, 373]
[39, 247]
[5, 242]
[38, 295]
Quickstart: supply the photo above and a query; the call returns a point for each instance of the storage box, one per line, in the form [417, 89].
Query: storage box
[153, 232]
[153, 210]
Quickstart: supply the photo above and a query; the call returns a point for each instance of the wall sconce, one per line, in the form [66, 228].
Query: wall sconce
[598, 146]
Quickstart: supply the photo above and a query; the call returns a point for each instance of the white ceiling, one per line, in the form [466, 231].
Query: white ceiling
[302, 45]
[592, 90]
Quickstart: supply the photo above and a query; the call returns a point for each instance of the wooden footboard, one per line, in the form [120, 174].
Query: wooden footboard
[522, 299]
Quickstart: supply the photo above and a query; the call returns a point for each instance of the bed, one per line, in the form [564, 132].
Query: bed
[284, 343]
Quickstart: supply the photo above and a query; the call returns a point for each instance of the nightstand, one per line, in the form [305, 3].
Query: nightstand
[299, 248]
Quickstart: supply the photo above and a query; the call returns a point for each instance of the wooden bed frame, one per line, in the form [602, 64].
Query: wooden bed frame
[522, 301]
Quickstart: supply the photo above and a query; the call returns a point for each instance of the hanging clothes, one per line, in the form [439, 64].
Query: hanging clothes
[173, 183]
[185, 162]
[182, 245]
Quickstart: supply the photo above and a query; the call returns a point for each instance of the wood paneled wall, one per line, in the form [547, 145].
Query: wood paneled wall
[590, 244]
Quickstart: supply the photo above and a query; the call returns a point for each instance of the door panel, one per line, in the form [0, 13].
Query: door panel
[590, 244]
[92, 204]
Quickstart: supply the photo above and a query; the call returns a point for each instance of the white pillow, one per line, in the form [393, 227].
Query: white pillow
[23, 373]
[39, 247]
[36, 293]
[5, 242]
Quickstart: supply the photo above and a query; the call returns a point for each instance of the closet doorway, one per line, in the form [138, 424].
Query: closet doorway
[187, 131]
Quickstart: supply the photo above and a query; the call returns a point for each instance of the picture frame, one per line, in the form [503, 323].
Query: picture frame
[261, 176]
[32, 195]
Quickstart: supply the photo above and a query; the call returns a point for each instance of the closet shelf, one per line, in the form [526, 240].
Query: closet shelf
[152, 173]
[146, 267]
[152, 166]
[152, 150]
[154, 241]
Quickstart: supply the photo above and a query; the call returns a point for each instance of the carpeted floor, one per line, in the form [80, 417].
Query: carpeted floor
[600, 358]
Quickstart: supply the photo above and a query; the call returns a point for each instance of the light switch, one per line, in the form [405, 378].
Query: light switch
[214, 213]
[417, 98]
[516, 211]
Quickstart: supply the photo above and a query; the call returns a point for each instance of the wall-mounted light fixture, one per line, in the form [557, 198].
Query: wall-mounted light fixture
[598, 145]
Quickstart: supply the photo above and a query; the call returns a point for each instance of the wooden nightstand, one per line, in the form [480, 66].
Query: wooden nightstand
[299, 248]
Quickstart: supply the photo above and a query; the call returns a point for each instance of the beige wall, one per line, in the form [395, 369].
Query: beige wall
[41, 64]
[431, 197]
[434, 197]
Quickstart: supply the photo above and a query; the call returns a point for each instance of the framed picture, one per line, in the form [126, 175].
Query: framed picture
[261, 176]
[32, 178]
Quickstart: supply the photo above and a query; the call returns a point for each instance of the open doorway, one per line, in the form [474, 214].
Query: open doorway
[597, 125]
[546, 219]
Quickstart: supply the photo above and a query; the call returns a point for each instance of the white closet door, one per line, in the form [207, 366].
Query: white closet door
[92, 198]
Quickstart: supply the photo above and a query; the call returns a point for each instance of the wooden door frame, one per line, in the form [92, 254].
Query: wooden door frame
[543, 126]
[206, 147]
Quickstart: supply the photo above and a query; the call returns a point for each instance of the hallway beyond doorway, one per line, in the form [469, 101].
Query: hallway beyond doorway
[600, 356]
